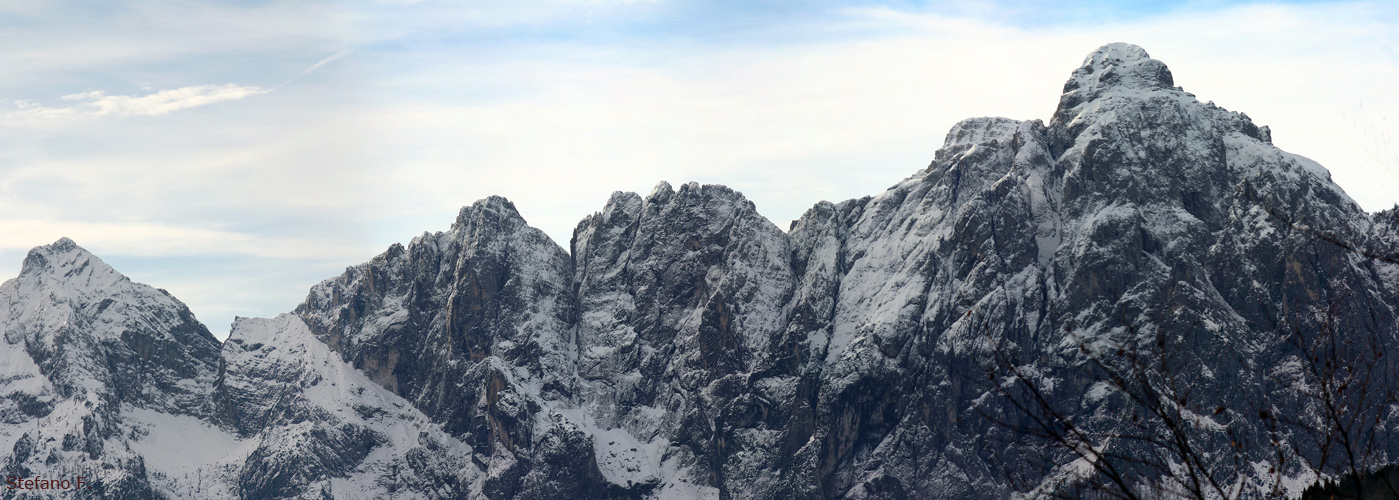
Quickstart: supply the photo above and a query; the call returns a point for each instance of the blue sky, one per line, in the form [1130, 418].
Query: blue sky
[236, 153]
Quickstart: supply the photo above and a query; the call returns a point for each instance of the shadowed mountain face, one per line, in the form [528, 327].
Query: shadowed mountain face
[686, 347]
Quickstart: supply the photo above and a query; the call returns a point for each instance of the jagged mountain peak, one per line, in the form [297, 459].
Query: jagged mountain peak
[66, 297]
[1116, 51]
[87, 325]
[67, 274]
[1120, 65]
[70, 264]
[1120, 83]
[1113, 83]
[662, 190]
[491, 210]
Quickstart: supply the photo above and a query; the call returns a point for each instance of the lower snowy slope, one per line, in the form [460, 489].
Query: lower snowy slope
[309, 424]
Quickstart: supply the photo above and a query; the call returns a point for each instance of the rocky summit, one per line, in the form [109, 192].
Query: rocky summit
[685, 347]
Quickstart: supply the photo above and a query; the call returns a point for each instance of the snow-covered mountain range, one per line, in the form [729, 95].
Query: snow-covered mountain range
[686, 347]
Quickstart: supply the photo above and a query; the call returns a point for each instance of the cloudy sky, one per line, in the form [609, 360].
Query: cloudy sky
[236, 153]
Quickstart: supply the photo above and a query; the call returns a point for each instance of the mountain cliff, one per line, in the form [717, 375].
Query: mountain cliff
[686, 347]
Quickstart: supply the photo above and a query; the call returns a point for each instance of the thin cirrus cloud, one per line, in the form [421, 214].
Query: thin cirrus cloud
[98, 103]
[321, 63]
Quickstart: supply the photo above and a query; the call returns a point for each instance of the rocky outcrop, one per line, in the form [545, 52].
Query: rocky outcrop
[474, 327]
[681, 295]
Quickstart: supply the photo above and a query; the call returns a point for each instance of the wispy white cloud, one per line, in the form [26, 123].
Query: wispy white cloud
[322, 62]
[98, 103]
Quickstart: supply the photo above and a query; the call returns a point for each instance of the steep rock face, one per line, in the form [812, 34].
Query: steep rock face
[680, 296]
[1384, 243]
[491, 286]
[474, 326]
[896, 348]
[84, 348]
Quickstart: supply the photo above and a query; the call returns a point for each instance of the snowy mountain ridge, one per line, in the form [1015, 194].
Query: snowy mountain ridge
[686, 347]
